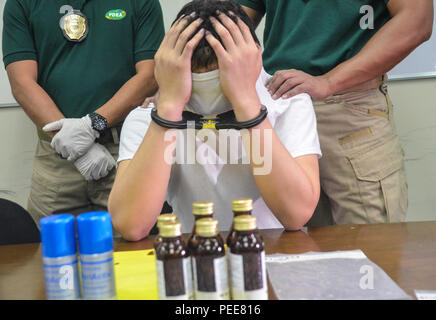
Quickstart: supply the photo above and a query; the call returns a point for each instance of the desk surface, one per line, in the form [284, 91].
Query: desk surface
[405, 251]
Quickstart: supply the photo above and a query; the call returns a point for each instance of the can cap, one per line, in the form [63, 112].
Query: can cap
[170, 230]
[58, 236]
[245, 223]
[166, 218]
[202, 208]
[242, 205]
[206, 227]
[95, 232]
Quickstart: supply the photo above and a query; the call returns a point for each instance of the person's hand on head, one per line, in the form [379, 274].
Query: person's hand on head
[240, 63]
[173, 67]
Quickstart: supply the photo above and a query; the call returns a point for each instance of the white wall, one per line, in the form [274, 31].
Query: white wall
[415, 116]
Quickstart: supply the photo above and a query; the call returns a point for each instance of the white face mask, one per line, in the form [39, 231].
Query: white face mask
[207, 97]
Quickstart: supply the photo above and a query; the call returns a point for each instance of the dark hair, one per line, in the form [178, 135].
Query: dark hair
[203, 55]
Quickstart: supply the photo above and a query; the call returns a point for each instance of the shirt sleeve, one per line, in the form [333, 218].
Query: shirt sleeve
[18, 43]
[149, 29]
[296, 127]
[133, 132]
[258, 5]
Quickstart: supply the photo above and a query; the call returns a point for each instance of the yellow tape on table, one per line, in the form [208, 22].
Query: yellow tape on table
[135, 275]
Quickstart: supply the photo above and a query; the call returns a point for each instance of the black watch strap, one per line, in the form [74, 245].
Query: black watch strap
[98, 122]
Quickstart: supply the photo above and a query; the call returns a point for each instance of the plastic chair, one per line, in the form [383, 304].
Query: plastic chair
[16, 225]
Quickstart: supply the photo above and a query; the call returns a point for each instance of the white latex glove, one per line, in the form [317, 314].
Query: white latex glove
[96, 163]
[74, 138]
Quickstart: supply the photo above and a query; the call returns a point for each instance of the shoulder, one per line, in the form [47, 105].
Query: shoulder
[134, 128]
[137, 119]
[146, 6]
[12, 6]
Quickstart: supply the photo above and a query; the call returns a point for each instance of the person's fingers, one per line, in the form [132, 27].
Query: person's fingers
[186, 35]
[54, 126]
[172, 35]
[224, 34]
[192, 44]
[286, 86]
[217, 47]
[232, 27]
[277, 80]
[245, 30]
[295, 91]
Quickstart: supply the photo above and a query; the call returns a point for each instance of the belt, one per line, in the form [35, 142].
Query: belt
[111, 135]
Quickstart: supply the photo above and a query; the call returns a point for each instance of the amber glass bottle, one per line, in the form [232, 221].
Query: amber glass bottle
[239, 207]
[162, 219]
[209, 263]
[173, 264]
[200, 210]
[247, 261]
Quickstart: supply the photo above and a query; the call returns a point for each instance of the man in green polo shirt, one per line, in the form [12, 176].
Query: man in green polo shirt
[77, 68]
[339, 53]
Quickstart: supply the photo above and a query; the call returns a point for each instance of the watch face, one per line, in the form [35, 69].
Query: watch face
[99, 123]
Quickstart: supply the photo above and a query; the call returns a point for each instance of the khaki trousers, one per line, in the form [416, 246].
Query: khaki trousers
[57, 186]
[362, 172]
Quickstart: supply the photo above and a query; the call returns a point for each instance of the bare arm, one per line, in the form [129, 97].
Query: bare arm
[141, 184]
[131, 94]
[140, 187]
[32, 98]
[411, 24]
[291, 186]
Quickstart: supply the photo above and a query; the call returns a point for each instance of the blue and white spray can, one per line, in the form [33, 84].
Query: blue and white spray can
[59, 256]
[96, 255]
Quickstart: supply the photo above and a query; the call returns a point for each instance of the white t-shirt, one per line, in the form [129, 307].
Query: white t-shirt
[208, 178]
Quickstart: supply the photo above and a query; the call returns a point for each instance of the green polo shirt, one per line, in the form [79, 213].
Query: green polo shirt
[81, 77]
[314, 35]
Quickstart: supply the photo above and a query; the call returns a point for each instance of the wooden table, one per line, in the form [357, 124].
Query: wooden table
[405, 251]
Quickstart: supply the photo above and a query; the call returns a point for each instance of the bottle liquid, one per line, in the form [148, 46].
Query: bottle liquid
[247, 261]
[200, 210]
[162, 219]
[239, 207]
[96, 255]
[59, 256]
[173, 265]
[209, 263]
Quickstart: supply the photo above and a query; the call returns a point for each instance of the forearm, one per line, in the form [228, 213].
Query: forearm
[389, 46]
[286, 188]
[130, 95]
[284, 185]
[139, 190]
[35, 102]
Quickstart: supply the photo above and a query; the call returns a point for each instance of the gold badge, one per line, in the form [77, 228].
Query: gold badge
[75, 26]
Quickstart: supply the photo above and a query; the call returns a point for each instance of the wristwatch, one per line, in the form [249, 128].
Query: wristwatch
[98, 122]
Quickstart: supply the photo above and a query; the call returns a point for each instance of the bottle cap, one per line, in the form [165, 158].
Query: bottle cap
[95, 232]
[245, 223]
[166, 218]
[170, 230]
[202, 208]
[58, 236]
[206, 227]
[242, 205]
